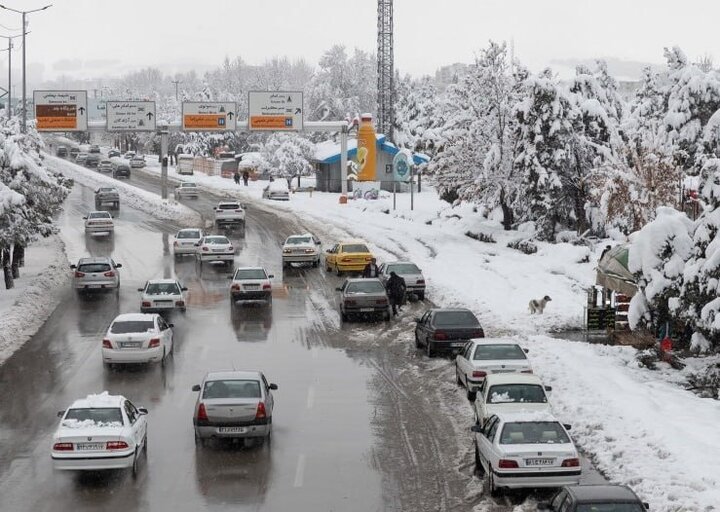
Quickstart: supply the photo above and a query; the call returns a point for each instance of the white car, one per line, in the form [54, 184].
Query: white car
[187, 189]
[301, 249]
[105, 166]
[251, 284]
[277, 190]
[162, 295]
[488, 355]
[525, 450]
[137, 338]
[229, 213]
[100, 432]
[510, 392]
[99, 222]
[215, 248]
[186, 241]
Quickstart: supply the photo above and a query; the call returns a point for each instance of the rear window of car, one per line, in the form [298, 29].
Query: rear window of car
[231, 389]
[297, 240]
[98, 415]
[188, 234]
[229, 206]
[93, 267]
[517, 393]
[162, 289]
[533, 432]
[450, 318]
[189, 185]
[105, 190]
[131, 326]
[365, 287]
[354, 248]
[250, 273]
[489, 352]
[214, 240]
[610, 507]
[99, 215]
[403, 268]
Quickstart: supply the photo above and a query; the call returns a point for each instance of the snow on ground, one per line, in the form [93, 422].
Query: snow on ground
[24, 309]
[132, 196]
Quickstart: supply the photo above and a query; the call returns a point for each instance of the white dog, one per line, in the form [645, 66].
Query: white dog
[538, 306]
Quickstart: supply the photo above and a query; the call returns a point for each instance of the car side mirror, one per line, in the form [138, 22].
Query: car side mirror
[230, 277]
[196, 387]
[183, 289]
[85, 217]
[142, 410]
[328, 251]
[646, 505]
[197, 244]
[270, 276]
[118, 265]
[273, 387]
[548, 388]
[60, 414]
[567, 426]
[526, 350]
[338, 289]
[140, 289]
[477, 429]
[318, 242]
[417, 319]
[73, 266]
[171, 325]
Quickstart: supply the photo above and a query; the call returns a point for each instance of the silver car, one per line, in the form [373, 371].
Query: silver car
[413, 276]
[363, 297]
[96, 274]
[233, 405]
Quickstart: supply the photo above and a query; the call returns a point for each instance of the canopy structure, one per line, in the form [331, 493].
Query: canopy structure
[613, 273]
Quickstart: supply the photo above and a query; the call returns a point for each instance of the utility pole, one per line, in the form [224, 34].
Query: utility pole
[176, 82]
[9, 88]
[24, 82]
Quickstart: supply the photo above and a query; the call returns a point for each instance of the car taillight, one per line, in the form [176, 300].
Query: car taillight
[155, 342]
[235, 288]
[116, 445]
[261, 414]
[146, 304]
[106, 343]
[180, 303]
[440, 335]
[79, 274]
[63, 447]
[420, 281]
[205, 249]
[238, 211]
[507, 464]
[571, 463]
[350, 302]
[526, 371]
[202, 413]
[479, 374]
[109, 274]
[267, 286]
[381, 301]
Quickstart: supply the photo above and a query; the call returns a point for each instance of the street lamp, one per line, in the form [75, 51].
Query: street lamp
[9, 89]
[24, 83]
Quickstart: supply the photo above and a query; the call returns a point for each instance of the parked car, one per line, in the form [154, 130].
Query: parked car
[184, 164]
[510, 392]
[479, 358]
[186, 241]
[251, 284]
[229, 213]
[99, 222]
[233, 405]
[81, 158]
[595, 498]
[301, 249]
[121, 170]
[187, 189]
[105, 166]
[107, 195]
[112, 153]
[446, 330]
[94, 149]
[347, 256]
[137, 162]
[74, 152]
[96, 274]
[215, 248]
[100, 432]
[411, 274]
[526, 449]
[276, 190]
[62, 151]
[137, 338]
[363, 297]
[128, 155]
[160, 295]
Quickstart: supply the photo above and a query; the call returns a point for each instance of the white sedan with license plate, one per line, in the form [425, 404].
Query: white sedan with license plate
[251, 284]
[525, 450]
[510, 392]
[482, 357]
[137, 338]
[186, 241]
[160, 295]
[187, 189]
[301, 249]
[215, 249]
[100, 432]
[99, 223]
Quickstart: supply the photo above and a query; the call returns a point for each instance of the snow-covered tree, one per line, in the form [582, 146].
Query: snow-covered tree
[288, 155]
[415, 114]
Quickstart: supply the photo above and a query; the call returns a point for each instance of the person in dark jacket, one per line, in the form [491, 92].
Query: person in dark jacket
[245, 177]
[371, 269]
[236, 177]
[396, 291]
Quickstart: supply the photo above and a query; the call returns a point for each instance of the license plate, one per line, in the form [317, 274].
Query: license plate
[130, 344]
[90, 446]
[252, 286]
[163, 302]
[94, 286]
[539, 462]
[232, 430]
[366, 310]
[455, 345]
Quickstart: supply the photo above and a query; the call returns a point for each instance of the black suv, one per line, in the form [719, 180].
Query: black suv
[121, 170]
[585, 498]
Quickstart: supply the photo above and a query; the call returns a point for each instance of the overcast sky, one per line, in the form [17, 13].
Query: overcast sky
[94, 38]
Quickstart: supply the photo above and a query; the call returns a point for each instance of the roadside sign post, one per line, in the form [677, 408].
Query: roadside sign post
[279, 111]
[130, 116]
[61, 111]
[209, 116]
[164, 142]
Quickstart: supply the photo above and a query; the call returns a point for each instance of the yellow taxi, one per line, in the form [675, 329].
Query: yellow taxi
[348, 256]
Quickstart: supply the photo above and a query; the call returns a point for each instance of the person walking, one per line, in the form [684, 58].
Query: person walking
[245, 177]
[396, 291]
[236, 178]
[371, 269]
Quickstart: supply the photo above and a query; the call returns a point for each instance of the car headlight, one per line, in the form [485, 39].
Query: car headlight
[287, 251]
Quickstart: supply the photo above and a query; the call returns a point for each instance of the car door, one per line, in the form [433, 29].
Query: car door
[481, 402]
[331, 255]
[165, 334]
[381, 273]
[560, 501]
[137, 423]
[462, 360]
[421, 328]
[269, 400]
[485, 442]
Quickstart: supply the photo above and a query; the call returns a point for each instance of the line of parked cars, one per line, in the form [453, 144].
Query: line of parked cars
[113, 163]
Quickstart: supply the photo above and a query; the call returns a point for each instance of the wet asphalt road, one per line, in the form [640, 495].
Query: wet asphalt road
[362, 421]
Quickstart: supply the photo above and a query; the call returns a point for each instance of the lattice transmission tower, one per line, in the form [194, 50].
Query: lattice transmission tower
[385, 68]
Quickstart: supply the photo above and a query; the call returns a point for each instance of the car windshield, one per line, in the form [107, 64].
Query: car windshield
[610, 507]
[102, 416]
[365, 287]
[106, 162]
[188, 185]
[355, 248]
[229, 206]
[188, 234]
[489, 352]
[533, 432]
[132, 326]
[403, 268]
[517, 393]
[450, 318]
[106, 189]
[162, 289]
[214, 240]
[297, 240]
[93, 267]
[228, 388]
[250, 273]
[99, 215]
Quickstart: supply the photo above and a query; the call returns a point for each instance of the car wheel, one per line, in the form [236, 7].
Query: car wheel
[199, 441]
[337, 270]
[478, 465]
[316, 263]
[491, 488]
[429, 350]
[162, 361]
[145, 445]
[386, 316]
[135, 465]
[421, 296]
[343, 316]
[417, 341]
[457, 376]
[471, 395]
[327, 268]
